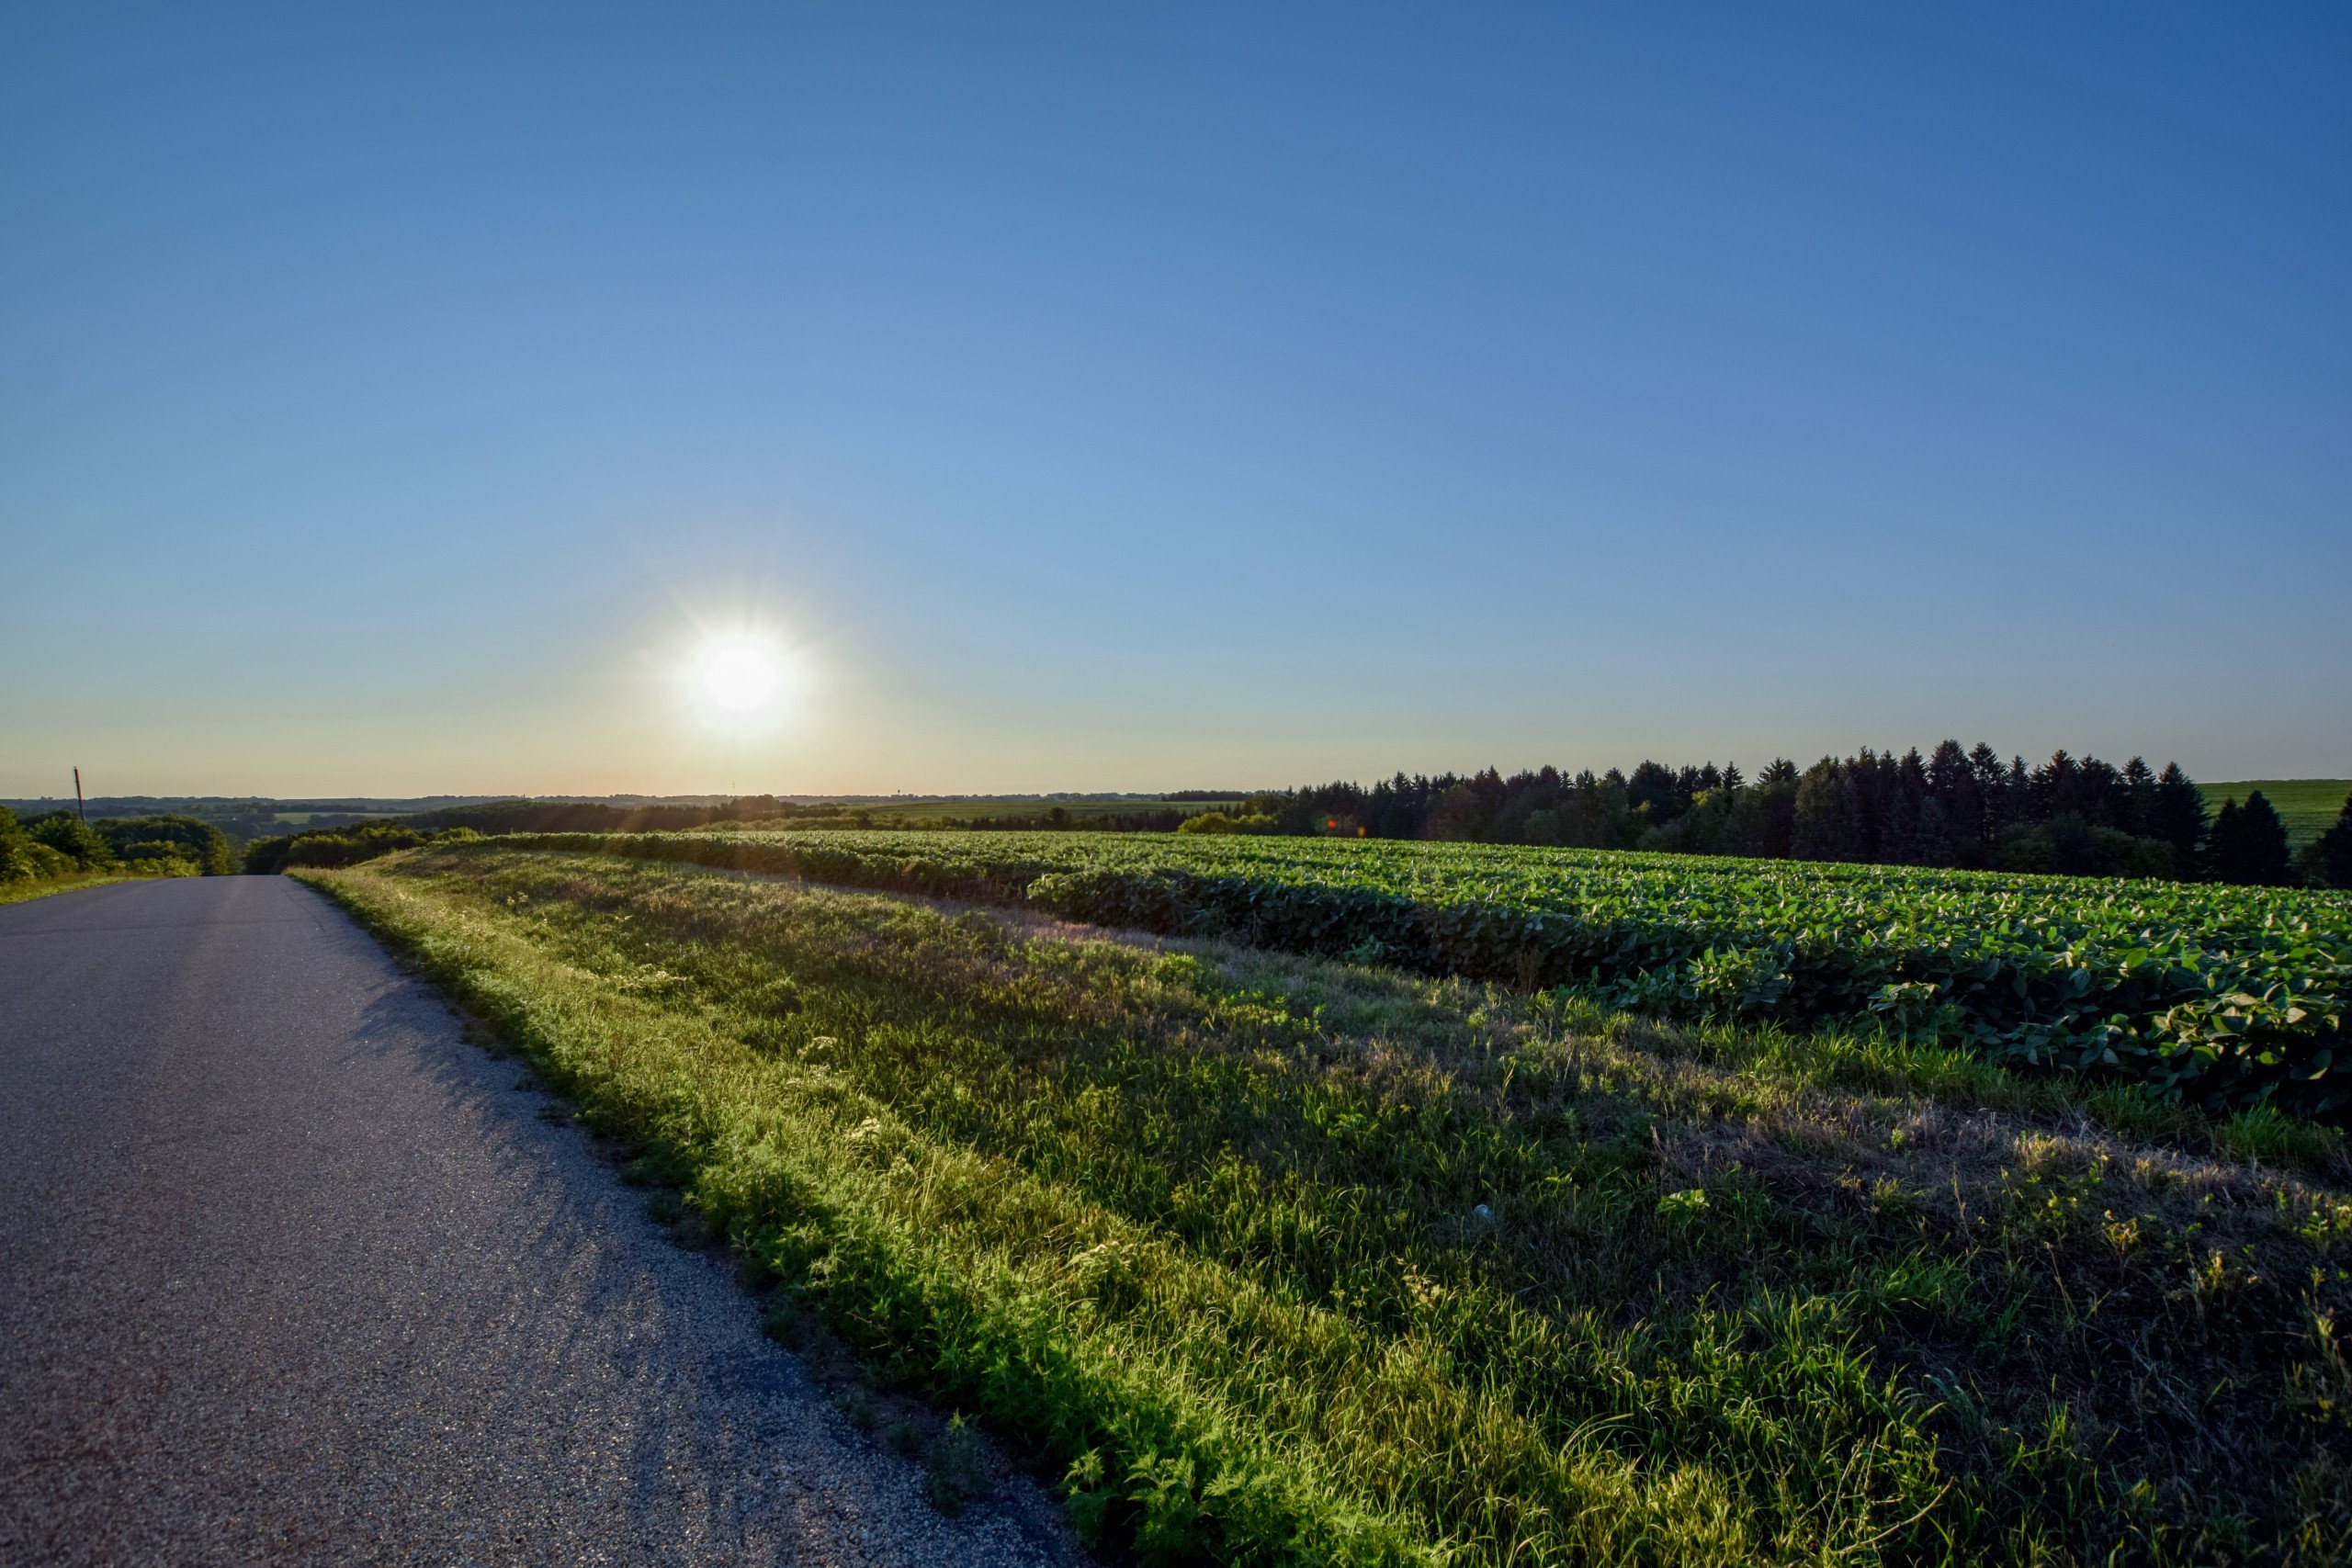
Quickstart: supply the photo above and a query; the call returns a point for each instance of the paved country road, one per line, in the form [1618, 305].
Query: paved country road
[290, 1273]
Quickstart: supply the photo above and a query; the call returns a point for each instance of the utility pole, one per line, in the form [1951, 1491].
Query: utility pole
[83, 810]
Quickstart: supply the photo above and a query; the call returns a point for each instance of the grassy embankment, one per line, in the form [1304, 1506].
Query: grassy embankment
[1275, 1259]
[18, 891]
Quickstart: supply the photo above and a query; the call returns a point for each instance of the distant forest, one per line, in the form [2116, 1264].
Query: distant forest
[1952, 807]
[2074, 816]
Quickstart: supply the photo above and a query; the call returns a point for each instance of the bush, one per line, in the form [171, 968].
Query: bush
[23, 858]
[2067, 845]
[73, 839]
[157, 857]
[343, 846]
[266, 857]
[149, 842]
[348, 847]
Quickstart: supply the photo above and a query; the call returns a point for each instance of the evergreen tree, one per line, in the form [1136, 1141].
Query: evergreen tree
[2249, 844]
[2328, 862]
[1932, 843]
[1765, 820]
[2177, 815]
[1958, 781]
[2220, 843]
[2053, 786]
[2014, 803]
[2140, 799]
[2101, 795]
[1985, 763]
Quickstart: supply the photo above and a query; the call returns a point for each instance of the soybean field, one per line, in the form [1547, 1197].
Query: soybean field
[2223, 995]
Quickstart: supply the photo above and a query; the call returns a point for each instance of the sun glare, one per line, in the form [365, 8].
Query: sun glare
[739, 676]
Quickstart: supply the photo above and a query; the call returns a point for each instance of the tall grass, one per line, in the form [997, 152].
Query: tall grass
[1274, 1260]
[16, 892]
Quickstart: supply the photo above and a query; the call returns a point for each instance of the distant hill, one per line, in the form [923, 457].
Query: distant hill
[246, 818]
[2306, 805]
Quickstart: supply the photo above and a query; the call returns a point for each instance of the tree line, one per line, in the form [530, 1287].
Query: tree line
[2076, 815]
[60, 844]
[1970, 810]
[591, 816]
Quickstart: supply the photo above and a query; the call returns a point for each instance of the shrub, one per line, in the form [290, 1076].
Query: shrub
[157, 857]
[151, 840]
[347, 848]
[344, 846]
[23, 858]
[73, 839]
[2068, 845]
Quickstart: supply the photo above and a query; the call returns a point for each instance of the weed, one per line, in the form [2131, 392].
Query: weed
[958, 1470]
[2265, 1135]
[903, 1437]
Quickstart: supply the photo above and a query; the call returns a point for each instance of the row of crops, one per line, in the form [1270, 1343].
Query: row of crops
[2224, 995]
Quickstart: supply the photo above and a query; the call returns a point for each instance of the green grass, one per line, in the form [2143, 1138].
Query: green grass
[2308, 807]
[2223, 995]
[1270, 1259]
[18, 892]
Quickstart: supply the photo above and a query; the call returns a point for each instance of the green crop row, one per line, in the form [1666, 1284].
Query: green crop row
[2227, 996]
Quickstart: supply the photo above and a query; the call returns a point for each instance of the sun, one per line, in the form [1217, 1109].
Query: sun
[739, 676]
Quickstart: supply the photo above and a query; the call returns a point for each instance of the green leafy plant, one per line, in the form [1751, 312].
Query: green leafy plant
[2224, 996]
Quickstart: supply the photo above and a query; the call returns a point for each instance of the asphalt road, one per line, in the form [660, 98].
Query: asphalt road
[290, 1273]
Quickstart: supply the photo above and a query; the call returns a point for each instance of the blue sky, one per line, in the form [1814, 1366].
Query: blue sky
[395, 399]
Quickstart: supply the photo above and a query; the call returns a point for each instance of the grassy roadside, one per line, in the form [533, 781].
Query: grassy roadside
[1277, 1260]
[18, 892]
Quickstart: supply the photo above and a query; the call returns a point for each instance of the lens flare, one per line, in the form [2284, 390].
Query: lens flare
[739, 677]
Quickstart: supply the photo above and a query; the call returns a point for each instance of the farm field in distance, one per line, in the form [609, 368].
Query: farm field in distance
[2305, 806]
[1329, 1255]
[1079, 807]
